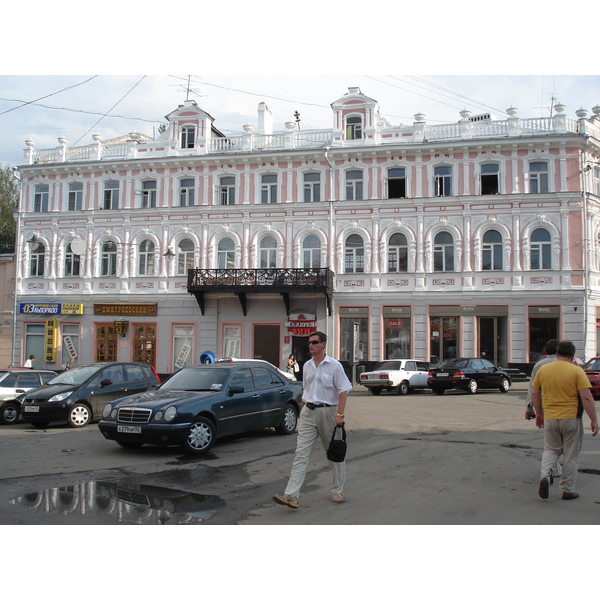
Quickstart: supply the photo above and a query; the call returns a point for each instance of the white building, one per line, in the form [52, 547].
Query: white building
[479, 237]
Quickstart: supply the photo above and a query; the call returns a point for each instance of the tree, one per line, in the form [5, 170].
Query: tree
[9, 202]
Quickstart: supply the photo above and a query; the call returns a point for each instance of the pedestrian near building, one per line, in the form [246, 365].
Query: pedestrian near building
[561, 392]
[29, 362]
[323, 404]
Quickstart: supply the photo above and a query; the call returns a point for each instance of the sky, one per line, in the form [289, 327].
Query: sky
[45, 107]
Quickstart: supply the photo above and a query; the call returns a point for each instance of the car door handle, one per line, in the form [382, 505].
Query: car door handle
[19, 391]
[256, 396]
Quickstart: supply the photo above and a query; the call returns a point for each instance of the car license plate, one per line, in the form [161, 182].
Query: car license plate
[443, 375]
[31, 409]
[129, 429]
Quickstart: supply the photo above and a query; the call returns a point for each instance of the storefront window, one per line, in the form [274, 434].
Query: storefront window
[183, 344]
[443, 332]
[349, 316]
[70, 346]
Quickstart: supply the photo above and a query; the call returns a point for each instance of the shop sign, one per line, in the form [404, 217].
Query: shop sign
[50, 340]
[301, 324]
[139, 310]
[36, 308]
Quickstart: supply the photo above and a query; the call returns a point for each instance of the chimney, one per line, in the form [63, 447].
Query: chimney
[265, 120]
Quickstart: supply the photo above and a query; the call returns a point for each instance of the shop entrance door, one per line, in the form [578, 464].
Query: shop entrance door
[144, 344]
[492, 339]
[267, 344]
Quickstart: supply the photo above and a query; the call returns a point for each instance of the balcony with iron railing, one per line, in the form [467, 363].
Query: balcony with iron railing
[260, 281]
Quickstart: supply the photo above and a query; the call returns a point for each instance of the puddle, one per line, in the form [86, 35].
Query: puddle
[106, 502]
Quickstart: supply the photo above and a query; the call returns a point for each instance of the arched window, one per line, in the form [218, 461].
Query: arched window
[491, 255]
[188, 136]
[226, 254]
[72, 261]
[541, 250]
[311, 252]
[108, 259]
[397, 253]
[268, 252]
[354, 185]
[354, 254]
[40, 198]
[185, 256]
[146, 258]
[354, 128]
[36, 260]
[443, 252]
[538, 177]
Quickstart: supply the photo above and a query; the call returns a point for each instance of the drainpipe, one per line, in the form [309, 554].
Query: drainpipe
[20, 211]
[330, 260]
[586, 241]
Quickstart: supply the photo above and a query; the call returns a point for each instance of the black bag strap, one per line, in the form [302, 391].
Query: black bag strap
[335, 430]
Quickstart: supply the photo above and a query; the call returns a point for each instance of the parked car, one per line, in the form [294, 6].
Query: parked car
[200, 404]
[79, 395]
[592, 370]
[13, 383]
[468, 374]
[290, 376]
[401, 375]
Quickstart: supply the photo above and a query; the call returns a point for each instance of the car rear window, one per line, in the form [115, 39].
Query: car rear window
[9, 380]
[137, 372]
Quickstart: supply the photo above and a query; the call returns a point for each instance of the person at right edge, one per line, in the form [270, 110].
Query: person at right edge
[561, 392]
[326, 387]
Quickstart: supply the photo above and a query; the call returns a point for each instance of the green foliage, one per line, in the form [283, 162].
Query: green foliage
[9, 201]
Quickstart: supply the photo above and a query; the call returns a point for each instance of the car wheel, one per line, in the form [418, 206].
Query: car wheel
[9, 413]
[438, 391]
[129, 445]
[201, 437]
[472, 387]
[289, 421]
[79, 415]
[505, 385]
[403, 388]
[375, 391]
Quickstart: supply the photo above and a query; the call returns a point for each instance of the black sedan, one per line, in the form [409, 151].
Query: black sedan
[199, 404]
[468, 374]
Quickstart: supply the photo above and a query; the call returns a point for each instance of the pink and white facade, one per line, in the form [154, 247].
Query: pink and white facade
[479, 237]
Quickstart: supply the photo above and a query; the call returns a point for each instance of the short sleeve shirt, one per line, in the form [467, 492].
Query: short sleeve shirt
[325, 383]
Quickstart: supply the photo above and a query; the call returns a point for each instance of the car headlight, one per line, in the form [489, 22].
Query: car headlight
[170, 413]
[106, 411]
[60, 397]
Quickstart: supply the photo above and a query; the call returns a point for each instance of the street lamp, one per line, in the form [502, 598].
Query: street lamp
[169, 255]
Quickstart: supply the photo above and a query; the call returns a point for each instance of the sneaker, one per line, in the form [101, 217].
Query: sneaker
[338, 497]
[286, 500]
[544, 487]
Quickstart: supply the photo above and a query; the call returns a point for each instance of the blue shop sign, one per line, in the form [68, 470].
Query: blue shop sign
[50, 308]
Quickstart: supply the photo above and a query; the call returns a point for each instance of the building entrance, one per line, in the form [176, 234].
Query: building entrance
[492, 339]
[267, 344]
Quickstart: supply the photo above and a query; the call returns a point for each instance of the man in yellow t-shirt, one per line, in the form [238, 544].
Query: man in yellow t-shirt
[561, 392]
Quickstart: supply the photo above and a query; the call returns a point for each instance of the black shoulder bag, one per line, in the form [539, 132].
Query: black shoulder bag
[337, 447]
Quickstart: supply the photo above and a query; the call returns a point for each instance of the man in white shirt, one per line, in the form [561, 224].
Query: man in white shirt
[326, 387]
[29, 362]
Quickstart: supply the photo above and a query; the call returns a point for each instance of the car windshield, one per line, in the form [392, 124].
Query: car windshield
[592, 365]
[388, 365]
[77, 375]
[197, 380]
[453, 363]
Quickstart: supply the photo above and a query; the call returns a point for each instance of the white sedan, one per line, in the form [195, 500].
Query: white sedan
[401, 375]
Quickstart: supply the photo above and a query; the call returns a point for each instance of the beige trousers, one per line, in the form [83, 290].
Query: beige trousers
[562, 436]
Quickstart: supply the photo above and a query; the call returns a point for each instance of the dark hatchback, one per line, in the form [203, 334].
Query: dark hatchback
[468, 374]
[199, 404]
[79, 395]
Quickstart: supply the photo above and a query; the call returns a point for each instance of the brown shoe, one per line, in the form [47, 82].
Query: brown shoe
[570, 495]
[544, 487]
[338, 497]
[286, 500]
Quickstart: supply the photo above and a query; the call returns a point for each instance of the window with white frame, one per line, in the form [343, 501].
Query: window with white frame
[41, 198]
[397, 253]
[312, 187]
[490, 179]
[492, 251]
[354, 185]
[108, 259]
[226, 254]
[442, 181]
[443, 252]
[187, 191]
[354, 255]
[354, 128]
[146, 258]
[268, 252]
[36, 260]
[597, 181]
[232, 340]
[311, 252]
[72, 262]
[538, 177]
[268, 189]
[70, 345]
[111, 195]
[541, 250]
[75, 198]
[149, 193]
[183, 346]
[185, 256]
[188, 136]
[396, 182]
[226, 190]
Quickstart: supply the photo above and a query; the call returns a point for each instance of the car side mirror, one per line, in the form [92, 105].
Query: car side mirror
[105, 382]
[236, 389]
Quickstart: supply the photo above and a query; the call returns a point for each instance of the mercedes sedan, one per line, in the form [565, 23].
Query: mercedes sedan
[469, 375]
[199, 404]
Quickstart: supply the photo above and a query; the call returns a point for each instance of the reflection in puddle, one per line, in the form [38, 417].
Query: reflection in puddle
[123, 503]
